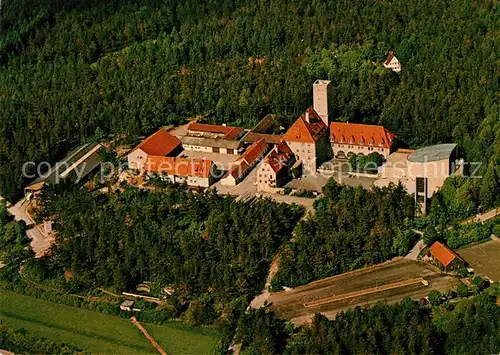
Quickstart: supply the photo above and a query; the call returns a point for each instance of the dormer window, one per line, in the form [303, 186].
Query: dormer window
[381, 143]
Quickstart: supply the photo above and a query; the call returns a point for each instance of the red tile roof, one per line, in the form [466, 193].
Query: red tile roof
[305, 131]
[228, 132]
[179, 166]
[254, 152]
[443, 254]
[159, 143]
[238, 169]
[279, 157]
[361, 134]
[390, 55]
[251, 137]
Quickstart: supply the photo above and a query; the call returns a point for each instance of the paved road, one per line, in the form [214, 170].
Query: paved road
[39, 242]
[413, 254]
[486, 216]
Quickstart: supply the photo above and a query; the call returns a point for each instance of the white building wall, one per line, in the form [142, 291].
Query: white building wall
[190, 180]
[358, 149]
[228, 181]
[320, 99]
[266, 177]
[137, 159]
[394, 65]
[436, 173]
[206, 149]
[198, 181]
[197, 148]
[306, 152]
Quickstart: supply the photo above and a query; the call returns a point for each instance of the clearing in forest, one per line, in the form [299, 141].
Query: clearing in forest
[99, 333]
[484, 258]
[389, 282]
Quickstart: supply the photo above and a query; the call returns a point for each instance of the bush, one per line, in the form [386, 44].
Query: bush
[496, 229]
[463, 272]
[451, 294]
[304, 193]
[194, 315]
[466, 234]
[23, 342]
[430, 235]
[478, 284]
[367, 163]
[435, 298]
[462, 290]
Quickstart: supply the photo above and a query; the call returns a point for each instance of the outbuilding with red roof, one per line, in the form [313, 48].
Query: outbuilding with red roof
[160, 143]
[193, 172]
[445, 258]
[275, 170]
[211, 138]
[242, 167]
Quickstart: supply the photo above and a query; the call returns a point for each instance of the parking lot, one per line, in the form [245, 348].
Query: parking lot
[346, 290]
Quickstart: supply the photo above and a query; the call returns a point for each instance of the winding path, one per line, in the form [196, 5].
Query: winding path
[39, 242]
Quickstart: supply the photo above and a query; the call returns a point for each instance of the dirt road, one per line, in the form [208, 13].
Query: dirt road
[290, 304]
[417, 248]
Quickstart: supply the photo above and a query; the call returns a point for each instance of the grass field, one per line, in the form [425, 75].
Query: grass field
[97, 332]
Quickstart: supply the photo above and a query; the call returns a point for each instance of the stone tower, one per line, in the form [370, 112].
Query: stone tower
[320, 99]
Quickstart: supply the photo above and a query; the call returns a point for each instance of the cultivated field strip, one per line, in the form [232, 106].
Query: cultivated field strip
[389, 282]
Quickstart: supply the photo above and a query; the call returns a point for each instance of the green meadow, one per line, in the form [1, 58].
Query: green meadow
[99, 333]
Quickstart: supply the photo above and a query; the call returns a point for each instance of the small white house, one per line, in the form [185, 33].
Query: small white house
[392, 62]
[127, 305]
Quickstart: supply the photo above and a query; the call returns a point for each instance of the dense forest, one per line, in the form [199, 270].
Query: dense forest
[211, 249]
[77, 70]
[73, 71]
[469, 326]
[351, 228]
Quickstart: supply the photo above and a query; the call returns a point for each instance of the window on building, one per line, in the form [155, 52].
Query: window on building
[421, 185]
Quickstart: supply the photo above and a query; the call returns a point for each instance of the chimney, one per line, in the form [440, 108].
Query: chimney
[307, 116]
[320, 99]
